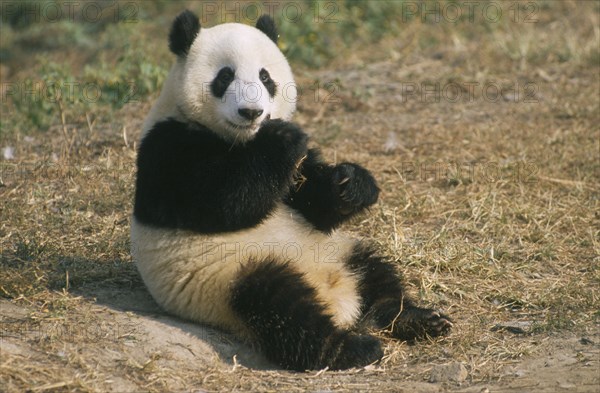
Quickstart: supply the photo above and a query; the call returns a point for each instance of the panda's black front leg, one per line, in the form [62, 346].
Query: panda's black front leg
[278, 148]
[385, 301]
[327, 195]
[190, 178]
[256, 175]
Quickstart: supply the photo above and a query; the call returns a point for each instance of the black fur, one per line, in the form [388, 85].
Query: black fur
[184, 30]
[327, 195]
[283, 313]
[385, 301]
[266, 80]
[222, 81]
[266, 24]
[189, 178]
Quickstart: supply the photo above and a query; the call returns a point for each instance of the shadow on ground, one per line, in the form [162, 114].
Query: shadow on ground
[155, 325]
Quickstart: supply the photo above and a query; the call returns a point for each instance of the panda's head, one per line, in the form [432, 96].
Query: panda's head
[230, 77]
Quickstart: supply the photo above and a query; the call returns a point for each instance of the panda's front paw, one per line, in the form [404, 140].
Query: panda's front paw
[282, 137]
[354, 188]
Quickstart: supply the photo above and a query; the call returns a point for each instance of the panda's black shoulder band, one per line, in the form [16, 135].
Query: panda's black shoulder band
[184, 30]
[189, 178]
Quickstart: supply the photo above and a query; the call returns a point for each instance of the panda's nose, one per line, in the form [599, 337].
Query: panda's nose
[250, 114]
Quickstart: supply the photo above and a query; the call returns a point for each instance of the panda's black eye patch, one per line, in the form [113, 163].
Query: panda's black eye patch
[222, 81]
[266, 80]
[264, 76]
[226, 75]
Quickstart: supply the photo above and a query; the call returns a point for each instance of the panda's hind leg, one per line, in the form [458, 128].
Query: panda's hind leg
[282, 312]
[386, 302]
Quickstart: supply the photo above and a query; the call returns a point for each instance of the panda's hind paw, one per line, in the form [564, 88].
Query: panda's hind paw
[438, 324]
[357, 351]
[418, 323]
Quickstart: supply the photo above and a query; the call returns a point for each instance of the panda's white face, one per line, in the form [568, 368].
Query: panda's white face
[232, 79]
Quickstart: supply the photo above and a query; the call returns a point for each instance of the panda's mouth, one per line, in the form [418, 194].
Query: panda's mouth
[246, 127]
[241, 127]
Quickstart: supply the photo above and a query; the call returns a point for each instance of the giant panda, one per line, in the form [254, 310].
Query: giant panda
[234, 221]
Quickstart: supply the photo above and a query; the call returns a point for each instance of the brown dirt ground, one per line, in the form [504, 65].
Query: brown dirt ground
[127, 344]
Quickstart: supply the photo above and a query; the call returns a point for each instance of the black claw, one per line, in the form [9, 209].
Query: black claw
[344, 181]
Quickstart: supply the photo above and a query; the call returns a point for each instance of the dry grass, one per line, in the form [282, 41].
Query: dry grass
[490, 209]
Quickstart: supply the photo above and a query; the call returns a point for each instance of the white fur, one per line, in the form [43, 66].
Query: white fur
[187, 96]
[190, 274]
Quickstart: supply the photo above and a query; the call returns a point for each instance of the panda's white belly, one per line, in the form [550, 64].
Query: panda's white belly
[190, 274]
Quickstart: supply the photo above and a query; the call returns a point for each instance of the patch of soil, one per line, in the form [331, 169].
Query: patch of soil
[130, 344]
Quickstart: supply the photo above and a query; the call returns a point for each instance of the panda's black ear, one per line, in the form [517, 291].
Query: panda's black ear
[266, 24]
[184, 30]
